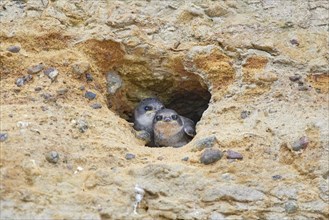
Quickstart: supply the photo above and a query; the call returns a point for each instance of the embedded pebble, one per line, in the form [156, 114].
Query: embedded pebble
[90, 95]
[62, 91]
[23, 80]
[210, 156]
[294, 42]
[114, 82]
[244, 114]
[207, 142]
[51, 72]
[14, 49]
[82, 125]
[80, 68]
[35, 69]
[20, 81]
[52, 157]
[234, 155]
[300, 144]
[23, 124]
[276, 177]
[295, 77]
[37, 89]
[3, 137]
[44, 108]
[130, 156]
[303, 88]
[96, 106]
[185, 159]
[82, 88]
[290, 207]
[89, 77]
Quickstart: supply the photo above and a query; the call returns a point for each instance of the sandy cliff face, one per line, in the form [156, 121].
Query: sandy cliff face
[253, 73]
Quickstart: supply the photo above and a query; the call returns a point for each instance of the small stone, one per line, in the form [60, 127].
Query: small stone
[82, 88]
[300, 144]
[62, 91]
[290, 207]
[37, 89]
[276, 177]
[160, 157]
[130, 156]
[20, 81]
[82, 125]
[89, 77]
[80, 68]
[52, 73]
[114, 82]
[217, 216]
[28, 78]
[35, 69]
[210, 156]
[90, 95]
[3, 137]
[44, 108]
[234, 155]
[96, 106]
[295, 77]
[52, 157]
[207, 142]
[303, 88]
[245, 114]
[294, 42]
[185, 159]
[14, 49]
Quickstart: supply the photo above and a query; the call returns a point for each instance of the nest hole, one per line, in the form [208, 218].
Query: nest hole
[186, 93]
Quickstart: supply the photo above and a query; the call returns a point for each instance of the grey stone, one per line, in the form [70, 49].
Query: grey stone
[276, 177]
[62, 91]
[82, 125]
[216, 216]
[207, 142]
[300, 144]
[90, 95]
[96, 106]
[290, 207]
[185, 159]
[3, 137]
[285, 192]
[14, 49]
[20, 81]
[51, 72]
[233, 192]
[80, 68]
[23, 80]
[234, 155]
[210, 156]
[35, 69]
[89, 77]
[244, 114]
[52, 157]
[130, 156]
[295, 77]
[114, 82]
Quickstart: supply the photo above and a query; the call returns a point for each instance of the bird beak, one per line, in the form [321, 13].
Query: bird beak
[167, 119]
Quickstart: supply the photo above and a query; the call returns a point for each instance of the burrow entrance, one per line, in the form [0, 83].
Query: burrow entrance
[182, 91]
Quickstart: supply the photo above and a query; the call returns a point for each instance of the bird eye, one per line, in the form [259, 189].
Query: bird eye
[174, 117]
[148, 108]
[158, 117]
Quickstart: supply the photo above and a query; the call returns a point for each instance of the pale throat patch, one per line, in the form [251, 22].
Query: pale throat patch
[166, 129]
[146, 119]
